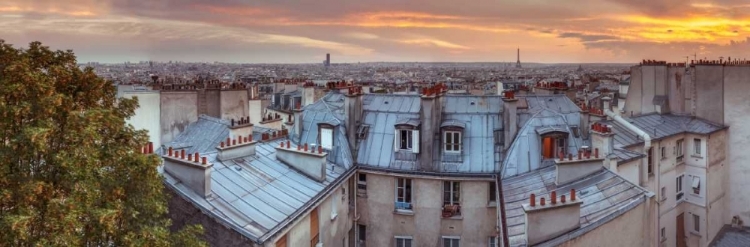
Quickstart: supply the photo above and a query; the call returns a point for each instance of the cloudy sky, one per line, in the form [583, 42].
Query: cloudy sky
[302, 31]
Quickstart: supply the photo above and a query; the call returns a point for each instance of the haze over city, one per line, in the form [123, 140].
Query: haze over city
[580, 31]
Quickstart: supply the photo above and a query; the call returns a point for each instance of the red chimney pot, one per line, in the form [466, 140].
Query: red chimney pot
[150, 147]
[572, 195]
[197, 155]
[532, 200]
[541, 201]
[553, 197]
[204, 160]
[562, 199]
[170, 151]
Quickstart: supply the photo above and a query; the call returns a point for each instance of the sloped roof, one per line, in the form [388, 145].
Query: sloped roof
[329, 110]
[604, 195]
[254, 194]
[659, 126]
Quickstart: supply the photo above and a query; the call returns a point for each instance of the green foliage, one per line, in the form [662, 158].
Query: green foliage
[71, 170]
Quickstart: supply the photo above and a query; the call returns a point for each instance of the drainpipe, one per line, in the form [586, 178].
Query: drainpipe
[643, 175]
[646, 142]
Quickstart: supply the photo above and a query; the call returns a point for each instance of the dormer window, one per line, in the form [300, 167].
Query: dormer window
[325, 135]
[406, 137]
[452, 141]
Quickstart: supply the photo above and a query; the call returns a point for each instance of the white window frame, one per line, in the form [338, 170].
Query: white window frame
[561, 148]
[663, 152]
[404, 238]
[452, 192]
[697, 149]
[492, 188]
[696, 179]
[678, 188]
[452, 238]
[492, 241]
[456, 142]
[679, 149]
[409, 194]
[663, 193]
[663, 234]
[412, 140]
[326, 141]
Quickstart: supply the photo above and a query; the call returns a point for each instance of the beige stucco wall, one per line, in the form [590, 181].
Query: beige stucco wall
[624, 230]
[332, 230]
[736, 85]
[147, 114]
[425, 226]
[234, 104]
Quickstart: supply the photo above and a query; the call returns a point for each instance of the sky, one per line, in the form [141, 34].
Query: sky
[303, 31]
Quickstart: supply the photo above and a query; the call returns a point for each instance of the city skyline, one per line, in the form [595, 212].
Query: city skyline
[584, 31]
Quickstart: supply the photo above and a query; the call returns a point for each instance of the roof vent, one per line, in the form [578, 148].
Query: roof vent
[385, 102]
[472, 103]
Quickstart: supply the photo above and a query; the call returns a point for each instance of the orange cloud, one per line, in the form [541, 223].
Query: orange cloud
[434, 42]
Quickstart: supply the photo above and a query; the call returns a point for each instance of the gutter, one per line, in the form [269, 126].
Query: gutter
[428, 175]
[639, 132]
[501, 207]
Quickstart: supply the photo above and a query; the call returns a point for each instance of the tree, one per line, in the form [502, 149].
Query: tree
[71, 170]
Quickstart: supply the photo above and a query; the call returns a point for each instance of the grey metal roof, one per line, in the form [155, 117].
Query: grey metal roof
[625, 156]
[604, 195]
[541, 130]
[408, 121]
[252, 194]
[661, 126]
[730, 236]
[525, 153]
[659, 99]
[328, 110]
[479, 152]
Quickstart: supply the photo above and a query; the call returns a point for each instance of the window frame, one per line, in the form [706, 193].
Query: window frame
[448, 196]
[678, 189]
[456, 144]
[321, 137]
[409, 142]
[698, 189]
[697, 147]
[403, 238]
[663, 234]
[492, 192]
[696, 224]
[450, 238]
[680, 149]
[650, 161]
[664, 193]
[407, 195]
[663, 152]
[361, 233]
[492, 241]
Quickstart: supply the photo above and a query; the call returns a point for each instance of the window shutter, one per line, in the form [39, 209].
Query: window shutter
[415, 141]
[395, 141]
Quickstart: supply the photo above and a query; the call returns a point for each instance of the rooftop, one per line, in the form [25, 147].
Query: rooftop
[254, 195]
[604, 194]
[730, 236]
[661, 126]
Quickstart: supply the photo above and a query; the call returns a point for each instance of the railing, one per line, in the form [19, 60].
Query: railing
[451, 211]
[452, 157]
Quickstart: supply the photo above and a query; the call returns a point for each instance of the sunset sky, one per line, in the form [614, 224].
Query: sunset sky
[302, 31]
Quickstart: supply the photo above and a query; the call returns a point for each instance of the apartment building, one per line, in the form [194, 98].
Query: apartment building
[702, 175]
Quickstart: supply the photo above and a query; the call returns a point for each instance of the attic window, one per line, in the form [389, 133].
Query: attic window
[576, 132]
[326, 138]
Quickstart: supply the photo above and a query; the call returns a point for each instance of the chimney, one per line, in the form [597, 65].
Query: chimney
[602, 138]
[278, 86]
[240, 127]
[584, 125]
[308, 94]
[255, 110]
[297, 123]
[500, 88]
[430, 118]
[236, 147]
[353, 113]
[194, 173]
[607, 103]
[290, 87]
[510, 125]
[545, 221]
[308, 160]
[574, 167]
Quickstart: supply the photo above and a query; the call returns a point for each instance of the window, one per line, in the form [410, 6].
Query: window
[362, 232]
[679, 150]
[281, 242]
[561, 144]
[663, 152]
[362, 182]
[403, 194]
[493, 242]
[451, 241]
[403, 241]
[575, 130]
[663, 193]
[406, 139]
[696, 185]
[493, 192]
[314, 230]
[697, 144]
[663, 234]
[451, 193]
[452, 140]
[650, 161]
[696, 223]
[679, 187]
[326, 138]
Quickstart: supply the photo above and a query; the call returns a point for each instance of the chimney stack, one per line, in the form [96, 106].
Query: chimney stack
[352, 113]
[430, 117]
[510, 125]
[236, 147]
[548, 221]
[194, 174]
[311, 162]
